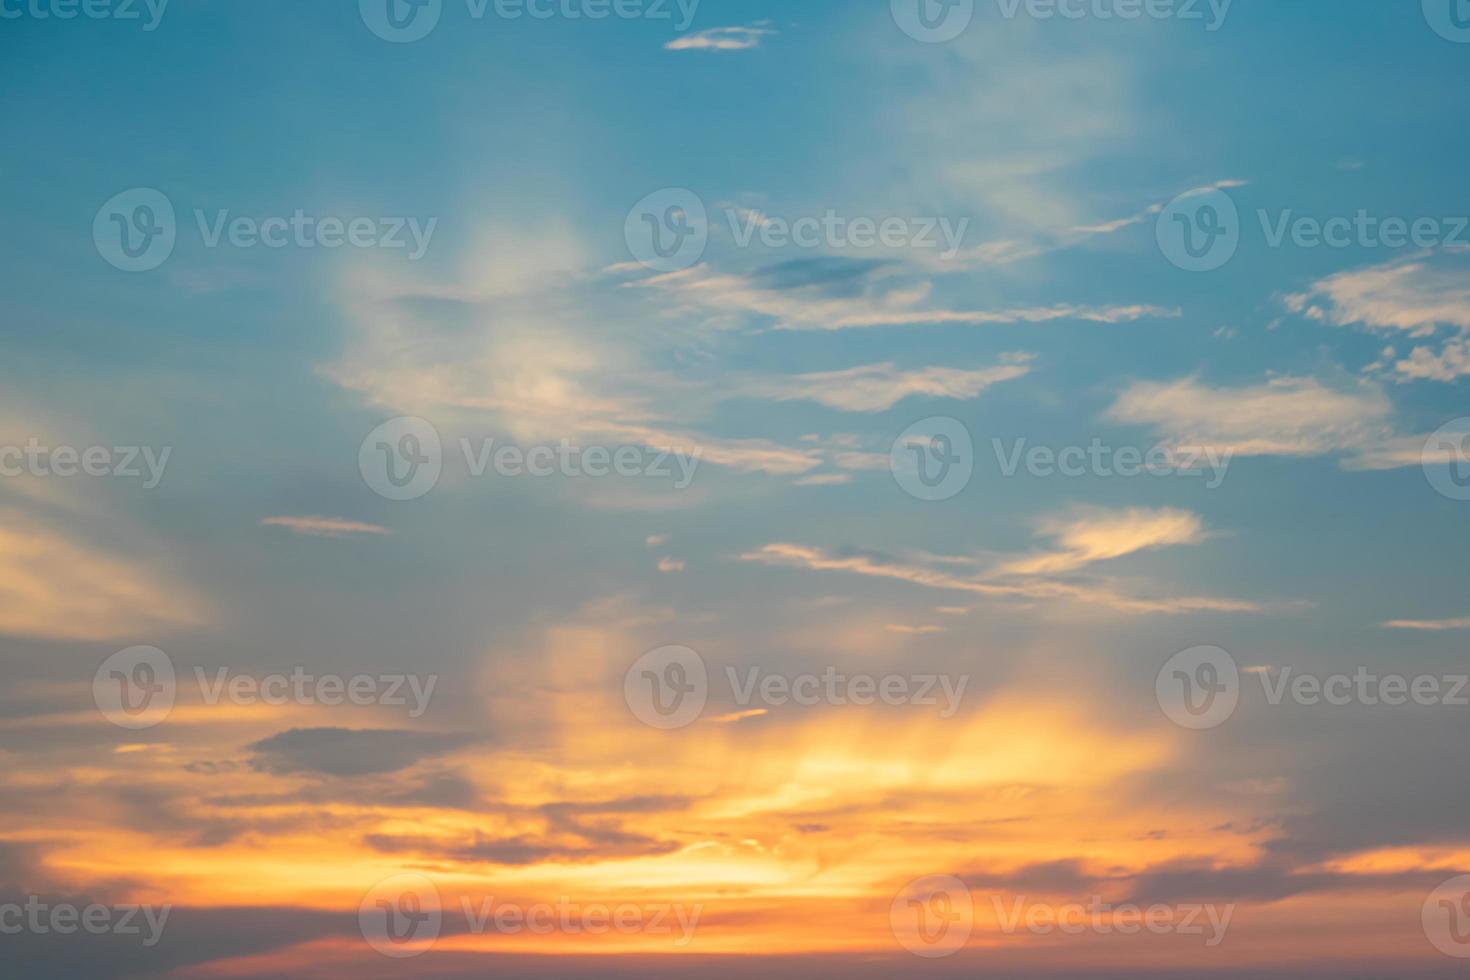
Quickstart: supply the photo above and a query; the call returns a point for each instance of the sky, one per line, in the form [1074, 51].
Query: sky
[616, 488]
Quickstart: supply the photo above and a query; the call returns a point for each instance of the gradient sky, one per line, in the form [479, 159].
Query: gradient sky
[1062, 148]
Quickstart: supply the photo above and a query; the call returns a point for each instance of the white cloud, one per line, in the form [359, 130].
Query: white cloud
[1283, 417]
[878, 387]
[721, 39]
[1102, 535]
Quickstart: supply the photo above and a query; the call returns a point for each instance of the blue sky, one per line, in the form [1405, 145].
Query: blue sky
[1055, 149]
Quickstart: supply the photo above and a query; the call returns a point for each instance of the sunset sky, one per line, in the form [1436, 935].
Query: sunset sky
[283, 282]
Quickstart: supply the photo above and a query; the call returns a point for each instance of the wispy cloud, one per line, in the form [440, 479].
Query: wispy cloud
[1429, 625]
[1283, 417]
[324, 527]
[877, 387]
[1102, 535]
[721, 39]
[1418, 296]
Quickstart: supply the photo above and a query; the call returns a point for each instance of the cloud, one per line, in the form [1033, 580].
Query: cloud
[56, 588]
[1417, 296]
[1103, 535]
[323, 527]
[1087, 538]
[670, 566]
[1283, 417]
[350, 752]
[837, 294]
[721, 39]
[1429, 625]
[878, 387]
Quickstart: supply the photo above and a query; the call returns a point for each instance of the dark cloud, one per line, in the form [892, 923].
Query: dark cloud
[350, 752]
